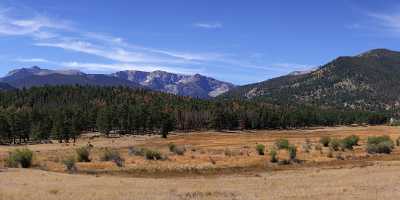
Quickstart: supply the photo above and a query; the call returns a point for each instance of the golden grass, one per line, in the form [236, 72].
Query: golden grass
[373, 182]
[205, 151]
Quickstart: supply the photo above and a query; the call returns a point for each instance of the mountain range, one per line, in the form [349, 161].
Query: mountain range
[185, 85]
[369, 81]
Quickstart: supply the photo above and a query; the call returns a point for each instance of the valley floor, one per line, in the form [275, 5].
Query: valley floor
[216, 165]
[379, 181]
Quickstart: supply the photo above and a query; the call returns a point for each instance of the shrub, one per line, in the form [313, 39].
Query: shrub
[292, 152]
[228, 152]
[325, 141]
[69, 163]
[112, 155]
[307, 146]
[380, 144]
[354, 139]
[83, 154]
[273, 155]
[152, 154]
[260, 148]
[20, 157]
[135, 151]
[282, 144]
[349, 142]
[398, 141]
[171, 147]
[177, 150]
[334, 144]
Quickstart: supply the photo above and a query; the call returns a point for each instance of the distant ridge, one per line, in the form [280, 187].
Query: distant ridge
[184, 85]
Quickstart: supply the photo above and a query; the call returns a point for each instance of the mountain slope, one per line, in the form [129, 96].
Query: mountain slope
[184, 85]
[367, 81]
[5, 86]
[35, 76]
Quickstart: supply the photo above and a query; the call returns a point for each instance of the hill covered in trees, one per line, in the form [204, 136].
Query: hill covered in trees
[63, 112]
[5, 86]
[369, 81]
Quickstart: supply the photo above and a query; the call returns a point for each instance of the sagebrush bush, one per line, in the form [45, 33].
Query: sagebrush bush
[349, 142]
[152, 154]
[180, 151]
[398, 141]
[325, 140]
[83, 154]
[380, 144]
[260, 148]
[112, 155]
[171, 147]
[69, 163]
[20, 158]
[292, 149]
[135, 151]
[282, 144]
[307, 146]
[273, 155]
[334, 144]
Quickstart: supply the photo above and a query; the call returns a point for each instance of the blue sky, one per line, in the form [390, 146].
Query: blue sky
[236, 41]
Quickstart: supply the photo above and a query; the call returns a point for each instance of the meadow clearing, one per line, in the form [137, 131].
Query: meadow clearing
[210, 165]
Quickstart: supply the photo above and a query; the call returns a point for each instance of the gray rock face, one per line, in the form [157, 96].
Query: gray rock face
[178, 84]
[184, 85]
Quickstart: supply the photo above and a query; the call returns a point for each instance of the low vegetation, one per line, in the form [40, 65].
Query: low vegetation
[349, 142]
[69, 163]
[325, 140]
[380, 144]
[273, 154]
[112, 155]
[292, 149]
[150, 154]
[307, 146]
[260, 148]
[83, 154]
[20, 158]
[334, 144]
[135, 151]
[176, 149]
[282, 144]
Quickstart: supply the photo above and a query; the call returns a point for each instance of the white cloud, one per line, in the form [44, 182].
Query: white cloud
[390, 22]
[37, 26]
[32, 60]
[214, 25]
[119, 54]
[103, 67]
[50, 32]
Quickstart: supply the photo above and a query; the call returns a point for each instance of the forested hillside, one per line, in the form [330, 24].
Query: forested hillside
[369, 81]
[63, 112]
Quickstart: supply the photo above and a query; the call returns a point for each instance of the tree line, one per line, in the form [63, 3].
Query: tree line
[64, 112]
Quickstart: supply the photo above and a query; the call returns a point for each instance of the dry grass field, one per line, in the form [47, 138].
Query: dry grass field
[216, 165]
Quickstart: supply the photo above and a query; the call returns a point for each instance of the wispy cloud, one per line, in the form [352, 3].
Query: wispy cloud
[38, 26]
[388, 21]
[102, 67]
[117, 53]
[214, 25]
[32, 60]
